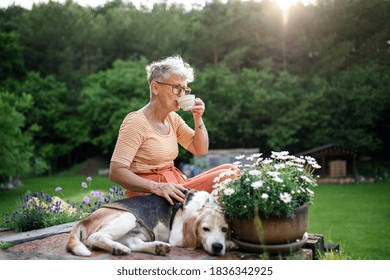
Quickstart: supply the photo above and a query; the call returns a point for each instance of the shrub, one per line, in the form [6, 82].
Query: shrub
[40, 210]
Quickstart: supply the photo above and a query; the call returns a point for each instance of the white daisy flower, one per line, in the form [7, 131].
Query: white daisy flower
[278, 179]
[228, 192]
[285, 197]
[257, 184]
[254, 172]
[306, 179]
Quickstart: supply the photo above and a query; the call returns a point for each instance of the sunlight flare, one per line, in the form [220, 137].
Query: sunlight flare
[286, 4]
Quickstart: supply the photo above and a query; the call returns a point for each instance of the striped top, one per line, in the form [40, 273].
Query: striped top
[142, 149]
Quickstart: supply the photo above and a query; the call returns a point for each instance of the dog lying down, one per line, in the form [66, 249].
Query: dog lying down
[147, 223]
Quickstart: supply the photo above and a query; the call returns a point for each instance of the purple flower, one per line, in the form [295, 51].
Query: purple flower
[58, 189]
[96, 194]
[84, 185]
[89, 179]
[86, 199]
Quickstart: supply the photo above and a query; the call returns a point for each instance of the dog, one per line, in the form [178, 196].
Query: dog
[150, 224]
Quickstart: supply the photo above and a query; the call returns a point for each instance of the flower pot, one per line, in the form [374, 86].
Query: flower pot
[273, 230]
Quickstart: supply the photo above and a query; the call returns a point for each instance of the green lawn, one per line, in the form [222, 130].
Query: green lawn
[355, 216]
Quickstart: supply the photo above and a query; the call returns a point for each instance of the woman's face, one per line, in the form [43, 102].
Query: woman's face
[166, 92]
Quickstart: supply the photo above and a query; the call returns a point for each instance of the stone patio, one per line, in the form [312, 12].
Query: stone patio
[49, 244]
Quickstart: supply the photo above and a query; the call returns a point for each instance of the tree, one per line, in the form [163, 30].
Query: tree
[49, 109]
[108, 97]
[11, 57]
[16, 146]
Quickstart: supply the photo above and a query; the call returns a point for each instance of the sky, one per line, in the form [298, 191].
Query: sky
[94, 3]
[284, 4]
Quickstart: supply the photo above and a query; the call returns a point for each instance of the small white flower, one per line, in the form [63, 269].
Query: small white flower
[257, 155]
[219, 186]
[239, 157]
[257, 184]
[316, 166]
[306, 179]
[264, 196]
[273, 173]
[310, 192]
[278, 179]
[250, 158]
[227, 181]
[280, 155]
[228, 192]
[254, 172]
[299, 160]
[280, 166]
[231, 172]
[215, 194]
[285, 197]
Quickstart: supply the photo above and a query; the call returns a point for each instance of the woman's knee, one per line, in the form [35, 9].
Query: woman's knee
[229, 172]
[228, 166]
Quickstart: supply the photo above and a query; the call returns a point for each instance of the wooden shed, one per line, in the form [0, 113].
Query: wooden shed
[336, 162]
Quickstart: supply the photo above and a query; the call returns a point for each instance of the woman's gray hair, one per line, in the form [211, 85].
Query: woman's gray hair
[164, 69]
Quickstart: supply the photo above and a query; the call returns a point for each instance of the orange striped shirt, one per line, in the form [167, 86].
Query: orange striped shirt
[142, 149]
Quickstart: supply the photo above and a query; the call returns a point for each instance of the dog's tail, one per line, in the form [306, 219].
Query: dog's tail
[74, 244]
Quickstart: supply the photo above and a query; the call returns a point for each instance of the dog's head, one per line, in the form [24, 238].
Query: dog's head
[205, 226]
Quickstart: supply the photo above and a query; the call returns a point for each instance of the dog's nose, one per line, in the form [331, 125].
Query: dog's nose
[217, 247]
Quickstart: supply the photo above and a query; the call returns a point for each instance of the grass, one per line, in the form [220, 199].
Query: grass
[356, 216]
[5, 245]
[71, 189]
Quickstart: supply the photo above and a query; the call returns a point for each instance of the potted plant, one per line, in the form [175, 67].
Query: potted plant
[268, 201]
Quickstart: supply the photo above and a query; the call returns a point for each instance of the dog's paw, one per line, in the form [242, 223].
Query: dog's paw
[162, 249]
[230, 245]
[121, 250]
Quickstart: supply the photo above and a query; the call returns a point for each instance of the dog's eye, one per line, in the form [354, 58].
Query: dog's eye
[206, 229]
[224, 229]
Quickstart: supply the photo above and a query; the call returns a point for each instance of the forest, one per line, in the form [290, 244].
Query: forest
[270, 79]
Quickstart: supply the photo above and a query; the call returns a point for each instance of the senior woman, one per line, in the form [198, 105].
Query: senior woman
[147, 144]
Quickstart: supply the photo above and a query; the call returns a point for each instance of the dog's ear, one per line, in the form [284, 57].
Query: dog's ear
[190, 227]
[189, 195]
